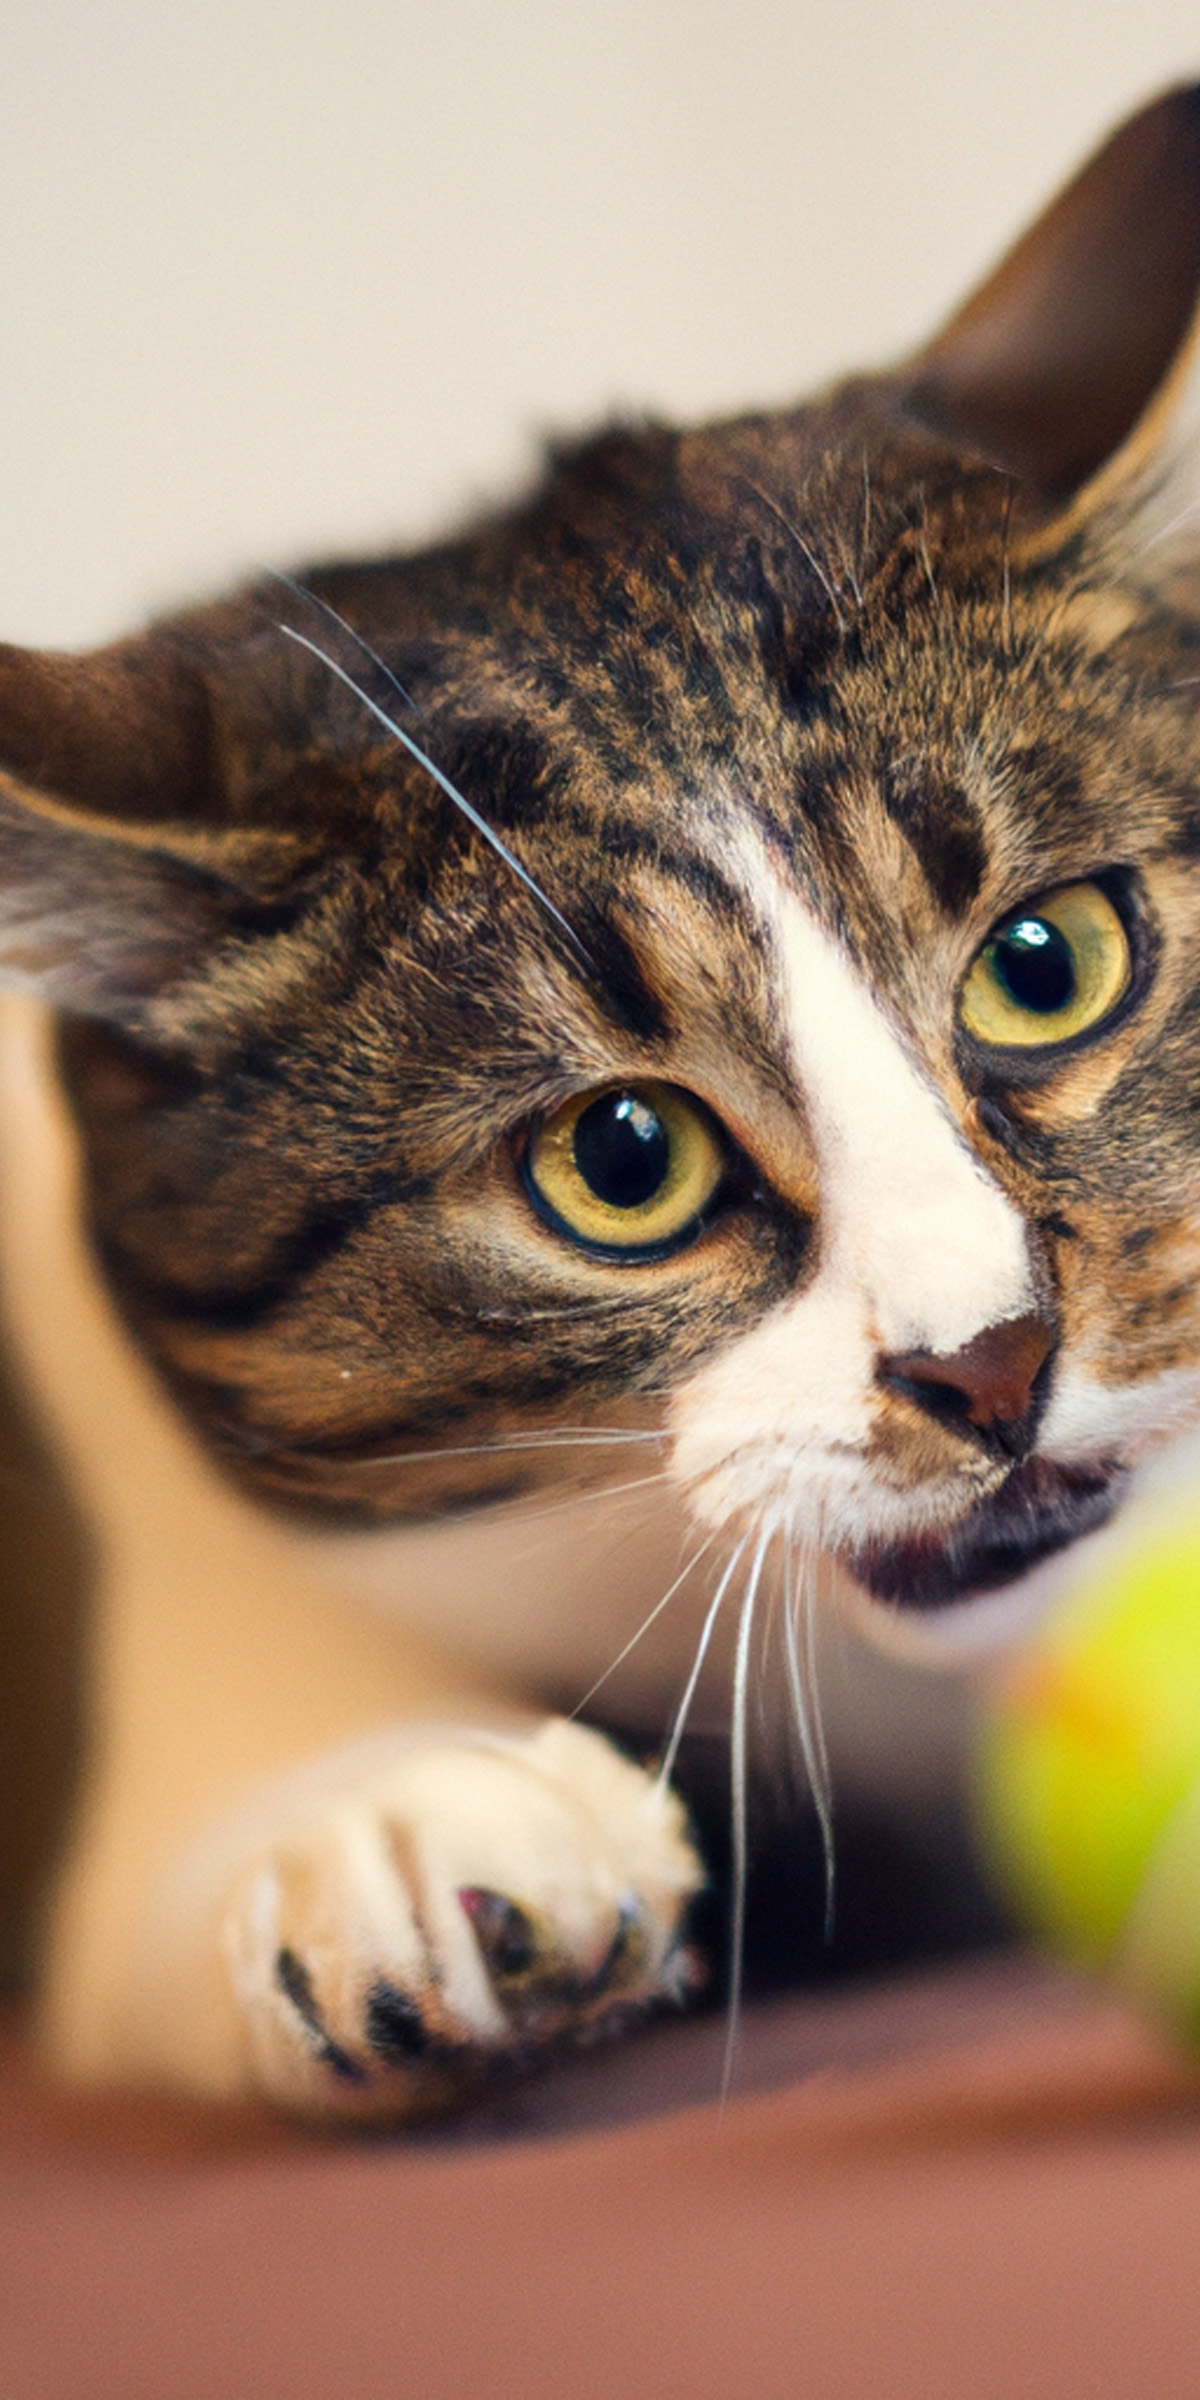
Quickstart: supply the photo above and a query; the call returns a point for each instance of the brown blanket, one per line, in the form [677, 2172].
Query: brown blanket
[980, 2184]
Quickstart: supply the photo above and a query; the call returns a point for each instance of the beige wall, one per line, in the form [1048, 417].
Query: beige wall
[279, 280]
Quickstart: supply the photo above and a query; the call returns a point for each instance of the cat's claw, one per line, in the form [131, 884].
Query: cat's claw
[477, 1900]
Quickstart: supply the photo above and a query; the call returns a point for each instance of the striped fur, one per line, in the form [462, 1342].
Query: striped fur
[835, 670]
[715, 762]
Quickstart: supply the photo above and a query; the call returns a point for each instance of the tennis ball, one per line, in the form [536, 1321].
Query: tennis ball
[1089, 1776]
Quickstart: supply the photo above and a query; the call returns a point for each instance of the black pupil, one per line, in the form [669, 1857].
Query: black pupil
[622, 1150]
[1034, 963]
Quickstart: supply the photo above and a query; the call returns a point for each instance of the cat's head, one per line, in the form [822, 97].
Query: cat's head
[713, 952]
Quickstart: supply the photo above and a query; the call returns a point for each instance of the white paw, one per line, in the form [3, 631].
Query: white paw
[478, 1898]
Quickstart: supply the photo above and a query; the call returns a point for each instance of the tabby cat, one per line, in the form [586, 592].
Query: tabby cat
[639, 1060]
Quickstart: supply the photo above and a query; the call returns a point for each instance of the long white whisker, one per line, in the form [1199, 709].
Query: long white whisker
[560, 1437]
[359, 640]
[671, 1752]
[1165, 531]
[599, 1491]
[802, 1685]
[794, 534]
[572, 1312]
[737, 1783]
[824, 1780]
[645, 1626]
[444, 784]
[1006, 544]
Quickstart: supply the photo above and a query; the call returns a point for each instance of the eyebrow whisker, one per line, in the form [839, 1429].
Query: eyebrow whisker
[313, 600]
[444, 784]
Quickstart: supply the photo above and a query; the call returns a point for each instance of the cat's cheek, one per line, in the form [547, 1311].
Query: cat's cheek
[755, 1427]
[787, 1423]
[1086, 1418]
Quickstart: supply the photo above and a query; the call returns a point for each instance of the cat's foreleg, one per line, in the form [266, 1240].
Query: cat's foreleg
[364, 1932]
[373, 1934]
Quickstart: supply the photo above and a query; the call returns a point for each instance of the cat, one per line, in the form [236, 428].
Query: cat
[636, 1059]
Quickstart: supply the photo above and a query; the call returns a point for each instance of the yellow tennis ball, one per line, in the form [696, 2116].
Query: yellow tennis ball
[1089, 1776]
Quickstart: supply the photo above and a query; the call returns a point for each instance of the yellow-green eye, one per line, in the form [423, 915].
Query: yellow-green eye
[1050, 971]
[630, 1169]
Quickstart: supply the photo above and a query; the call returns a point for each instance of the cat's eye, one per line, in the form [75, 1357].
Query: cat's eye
[1050, 971]
[629, 1170]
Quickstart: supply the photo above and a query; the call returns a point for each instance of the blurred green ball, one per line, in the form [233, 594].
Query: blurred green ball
[1089, 1777]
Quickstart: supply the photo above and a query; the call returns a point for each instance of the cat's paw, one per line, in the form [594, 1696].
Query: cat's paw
[477, 1899]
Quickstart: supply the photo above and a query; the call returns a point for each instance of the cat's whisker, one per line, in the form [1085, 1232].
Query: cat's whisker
[1164, 533]
[794, 534]
[671, 1752]
[864, 531]
[559, 1437]
[572, 1313]
[738, 1805]
[764, 1693]
[644, 1627]
[801, 1669]
[600, 1491]
[314, 600]
[444, 784]
[926, 561]
[822, 1778]
[849, 567]
[1006, 617]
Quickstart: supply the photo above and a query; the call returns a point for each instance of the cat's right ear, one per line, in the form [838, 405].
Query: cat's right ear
[120, 873]
[1070, 367]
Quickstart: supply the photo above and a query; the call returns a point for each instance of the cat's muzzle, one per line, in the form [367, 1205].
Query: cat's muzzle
[1041, 1507]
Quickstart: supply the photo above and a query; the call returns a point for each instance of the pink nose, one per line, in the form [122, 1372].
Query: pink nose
[991, 1386]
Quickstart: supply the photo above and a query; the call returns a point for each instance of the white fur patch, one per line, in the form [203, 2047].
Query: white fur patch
[918, 1250]
[1086, 1419]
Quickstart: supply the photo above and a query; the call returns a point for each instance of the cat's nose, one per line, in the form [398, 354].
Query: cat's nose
[993, 1388]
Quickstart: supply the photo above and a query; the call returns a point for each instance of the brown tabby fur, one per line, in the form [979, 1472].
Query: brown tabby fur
[912, 710]
[308, 1012]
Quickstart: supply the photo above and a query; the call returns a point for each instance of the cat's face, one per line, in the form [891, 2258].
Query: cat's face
[796, 1068]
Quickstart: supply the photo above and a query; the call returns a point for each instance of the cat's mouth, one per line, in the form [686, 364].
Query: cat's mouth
[1040, 1508]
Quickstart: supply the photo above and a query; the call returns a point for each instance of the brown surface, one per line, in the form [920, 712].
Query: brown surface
[976, 2184]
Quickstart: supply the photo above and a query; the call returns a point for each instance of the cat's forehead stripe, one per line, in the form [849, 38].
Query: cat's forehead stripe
[909, 1212]
[917, 1249]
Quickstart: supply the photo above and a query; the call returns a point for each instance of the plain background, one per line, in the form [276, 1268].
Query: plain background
[279, 281]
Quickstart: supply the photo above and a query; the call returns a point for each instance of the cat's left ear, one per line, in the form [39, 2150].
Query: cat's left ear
[1075, 366]
[123, 867]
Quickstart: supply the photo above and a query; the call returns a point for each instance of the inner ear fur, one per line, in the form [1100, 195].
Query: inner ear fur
[1078, 338]
[117, 874]
[124, 730]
